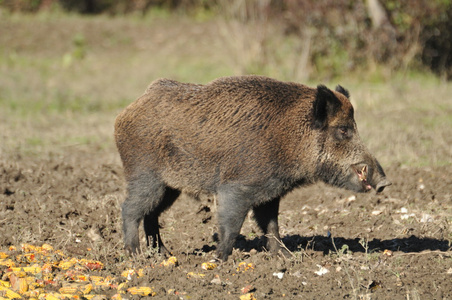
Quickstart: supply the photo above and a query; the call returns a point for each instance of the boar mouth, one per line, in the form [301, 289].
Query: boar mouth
[361, 171]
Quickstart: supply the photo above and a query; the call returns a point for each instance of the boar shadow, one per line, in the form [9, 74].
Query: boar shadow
[325, 244]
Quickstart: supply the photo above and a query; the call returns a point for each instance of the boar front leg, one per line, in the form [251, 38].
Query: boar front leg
[266, 216]
[233, 206]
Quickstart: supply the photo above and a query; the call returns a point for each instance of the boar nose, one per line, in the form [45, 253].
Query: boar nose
[382, 184]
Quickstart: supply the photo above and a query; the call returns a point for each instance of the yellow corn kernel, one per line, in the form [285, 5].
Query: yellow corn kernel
[60, 253]
[29, 248]
[140, 272]
[7, 262]
[243, 266]
[170, 262]
[17, 272]
[49, 296]
[35, 269]
[141, 291]
[10, 294]
[70, 289]
[80, 278]
[102, 285]
[66, 264]
[20, 286]
[5, 283]
[32, 294]
[87, 289]
[31, 257]
[46, 247]
[30, 279]
[96, 278]
[249, 296]
[208, 266]
[89, 297]
[36, 284]
[127, 273]
[3, 255]
[26, 258]
[47, 268]
[122, 286]
[48, 277]
[195, 275]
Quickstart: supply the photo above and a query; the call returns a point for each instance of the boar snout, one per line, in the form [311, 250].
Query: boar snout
[365, 178]
[382, 184]
[379, 179]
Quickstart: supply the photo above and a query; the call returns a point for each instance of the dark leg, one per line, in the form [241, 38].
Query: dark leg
[266, 215]
[151, 221]
[231, 214]
[145, 192]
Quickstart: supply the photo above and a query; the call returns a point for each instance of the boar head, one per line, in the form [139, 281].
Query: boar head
[342, 158]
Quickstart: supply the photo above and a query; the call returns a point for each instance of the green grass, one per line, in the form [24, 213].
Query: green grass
[68, 76]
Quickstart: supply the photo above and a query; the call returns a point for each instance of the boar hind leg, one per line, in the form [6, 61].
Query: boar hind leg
[266, 216]
[232, 211]
[151, 221]
[144, 194]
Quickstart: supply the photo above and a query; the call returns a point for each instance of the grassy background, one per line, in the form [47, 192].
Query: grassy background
[63, 79]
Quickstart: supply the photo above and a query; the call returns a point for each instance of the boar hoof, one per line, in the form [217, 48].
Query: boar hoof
[165, 252]
[130, 251]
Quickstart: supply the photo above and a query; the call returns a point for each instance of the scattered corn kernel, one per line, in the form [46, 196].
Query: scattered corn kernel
[249, 296]
[10, 294]
[243, 266]
[208, 266]
[47, 247]
[141, 291]
[20, 285]
[195, 275]
[170, 262]
[7, 262]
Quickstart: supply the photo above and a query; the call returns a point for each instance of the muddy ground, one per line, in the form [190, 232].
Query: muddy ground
[76, 206]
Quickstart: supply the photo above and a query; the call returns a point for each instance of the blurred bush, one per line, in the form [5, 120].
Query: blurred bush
[398, 34]
[334, 36]
[104, 6]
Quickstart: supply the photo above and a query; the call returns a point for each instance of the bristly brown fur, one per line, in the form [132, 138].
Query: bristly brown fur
[248, 139]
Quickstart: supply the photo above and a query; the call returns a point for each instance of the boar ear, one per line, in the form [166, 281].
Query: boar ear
[343, 91]
[325, 104]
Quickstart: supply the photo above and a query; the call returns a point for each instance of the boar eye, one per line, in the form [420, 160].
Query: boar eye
[343, 133]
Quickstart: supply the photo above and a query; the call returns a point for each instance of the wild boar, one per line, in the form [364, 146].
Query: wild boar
[248, 140]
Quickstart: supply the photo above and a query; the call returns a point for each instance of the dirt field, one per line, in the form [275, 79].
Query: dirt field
[75, 206]
[61, 184]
